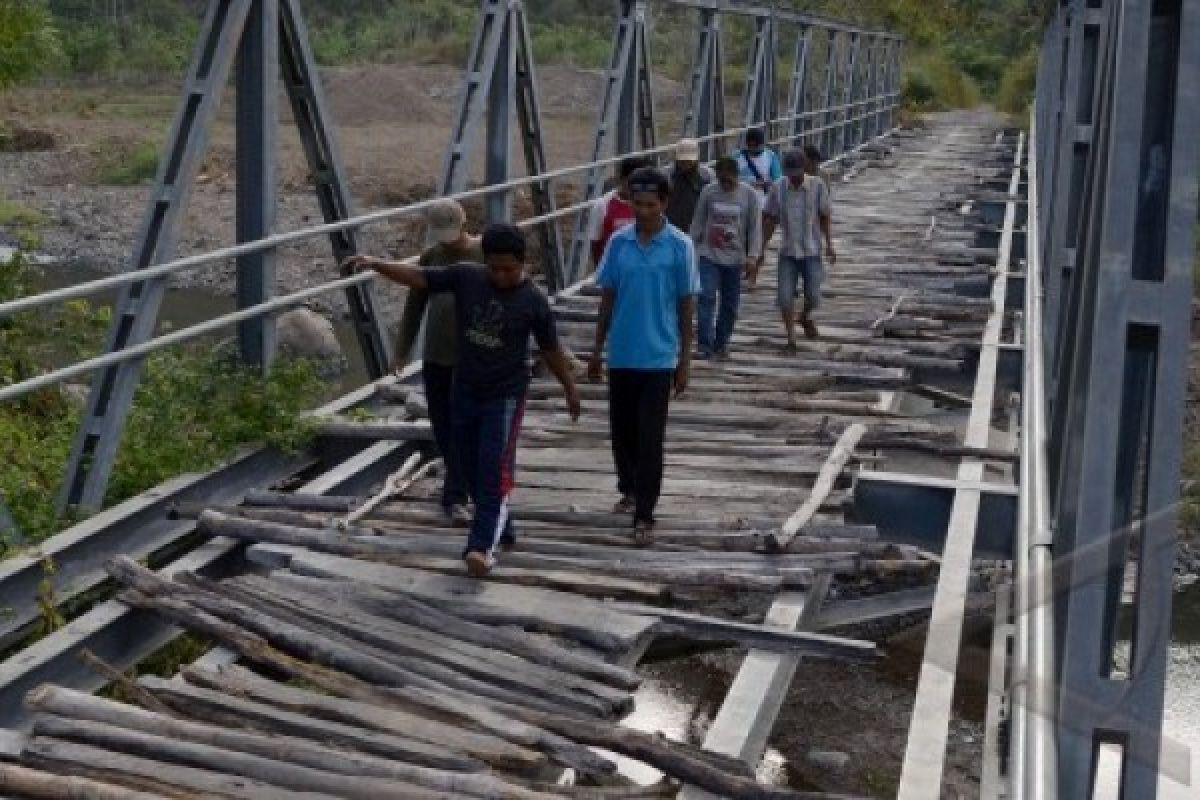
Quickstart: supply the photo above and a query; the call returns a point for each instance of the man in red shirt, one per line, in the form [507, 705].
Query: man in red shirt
[613, 211]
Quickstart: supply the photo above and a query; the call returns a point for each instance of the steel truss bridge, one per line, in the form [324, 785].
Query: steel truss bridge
[1067, 469]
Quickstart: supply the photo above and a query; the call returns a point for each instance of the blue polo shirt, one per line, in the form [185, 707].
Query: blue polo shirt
[649, 281]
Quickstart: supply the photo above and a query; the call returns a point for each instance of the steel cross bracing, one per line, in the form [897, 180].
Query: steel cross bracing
[705, 112]
[626, 109]
[798, 86]
[253, 33]
[499, 83]
[761, 103]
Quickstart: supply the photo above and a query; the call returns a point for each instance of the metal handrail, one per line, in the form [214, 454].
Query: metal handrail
[250, 312]
[105, 284]
[802, 18]
[1033, 743]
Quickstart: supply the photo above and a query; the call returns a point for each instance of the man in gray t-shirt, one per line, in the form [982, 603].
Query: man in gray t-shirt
[727, 230]
[800, 204]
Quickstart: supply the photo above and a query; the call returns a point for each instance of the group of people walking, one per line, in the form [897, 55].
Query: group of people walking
[666, 245]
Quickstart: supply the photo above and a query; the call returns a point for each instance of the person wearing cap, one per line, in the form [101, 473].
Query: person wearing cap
[799, 203]
[688, 178]
[447, 243]
[497, 308]
[613, 211]
[727, 230]
[648, 282]
[758, 165]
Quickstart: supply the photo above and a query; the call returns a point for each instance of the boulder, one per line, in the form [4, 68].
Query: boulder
[303, 333]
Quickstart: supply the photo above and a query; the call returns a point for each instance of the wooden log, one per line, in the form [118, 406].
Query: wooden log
[363, 726]
[64, 705]
[677, 761]
[820, 491]
[539, 610]
[757, 637]
[285, 774]
[407, 609]
[502, 669]
[27, 782]
[323, 645]
[300, 501]
[386, 552]
[169, 780]
[376, 430]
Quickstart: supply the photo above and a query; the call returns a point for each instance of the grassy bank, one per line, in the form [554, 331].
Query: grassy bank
[194, 408]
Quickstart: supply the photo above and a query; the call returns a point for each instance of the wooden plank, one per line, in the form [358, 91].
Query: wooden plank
[586, 620]
[821, 489]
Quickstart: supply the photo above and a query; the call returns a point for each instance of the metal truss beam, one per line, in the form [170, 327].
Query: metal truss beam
[1083, 33]
[798, 87]
[705, 112]
[259, 34]
[760, 104]
[1118, 410]
[627, 105]
[915, 509]
[500, 87]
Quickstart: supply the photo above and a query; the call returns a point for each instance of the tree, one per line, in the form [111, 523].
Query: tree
[29, 42]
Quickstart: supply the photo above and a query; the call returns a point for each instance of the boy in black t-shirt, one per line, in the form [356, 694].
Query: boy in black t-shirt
[497, 308]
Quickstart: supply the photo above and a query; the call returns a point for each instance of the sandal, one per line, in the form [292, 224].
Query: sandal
[626, 505]
[643, 533]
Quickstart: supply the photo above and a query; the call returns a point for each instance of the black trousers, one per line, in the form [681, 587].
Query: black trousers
[638, 400]
[439, 381]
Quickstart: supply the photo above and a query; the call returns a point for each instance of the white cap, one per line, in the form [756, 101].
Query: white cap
[444, 221]
[687, 150]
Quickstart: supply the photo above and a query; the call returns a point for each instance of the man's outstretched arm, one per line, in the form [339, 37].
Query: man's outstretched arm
[404, 274]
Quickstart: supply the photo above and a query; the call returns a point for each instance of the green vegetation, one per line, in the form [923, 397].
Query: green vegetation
[29, 42]
[193, 409]
[958, 50]
[21, 223]
[127, 165]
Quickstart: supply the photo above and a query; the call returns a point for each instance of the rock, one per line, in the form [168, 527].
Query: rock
[306, 334]
[828, 759]
[303, 333]
[75, 393]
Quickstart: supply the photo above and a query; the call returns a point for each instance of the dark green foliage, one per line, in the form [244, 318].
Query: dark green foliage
[958, 49]
[192, 410]
[29, 42]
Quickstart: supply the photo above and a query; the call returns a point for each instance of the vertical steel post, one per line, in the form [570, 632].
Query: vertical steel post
[529, 118]
[500, 108]
[94, 450]
[10, 534]
[705, 112]
[827, 137]
[798, 88]
[477, 88]
[627, 66]
[760, 74]
[257, 124]
[1122, 392]
[328, 174]
[847, 96]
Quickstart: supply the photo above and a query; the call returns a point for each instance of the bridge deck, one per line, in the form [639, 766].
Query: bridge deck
[394, 669]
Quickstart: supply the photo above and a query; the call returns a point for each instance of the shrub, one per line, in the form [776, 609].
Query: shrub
[29, 43]
[128, 165]
[1018, 83]
[21, 223]
[933, 83]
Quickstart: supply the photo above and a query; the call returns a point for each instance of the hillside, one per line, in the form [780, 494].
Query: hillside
[961, 50]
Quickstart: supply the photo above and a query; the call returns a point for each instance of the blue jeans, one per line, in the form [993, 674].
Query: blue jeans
[727, 280]
[791, 270]
[486, 430]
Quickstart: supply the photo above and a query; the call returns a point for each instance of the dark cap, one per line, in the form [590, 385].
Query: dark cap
[726, 164]
[794, 161]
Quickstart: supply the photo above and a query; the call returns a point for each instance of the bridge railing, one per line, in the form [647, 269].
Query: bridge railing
[1107, 321]
[843, 104]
